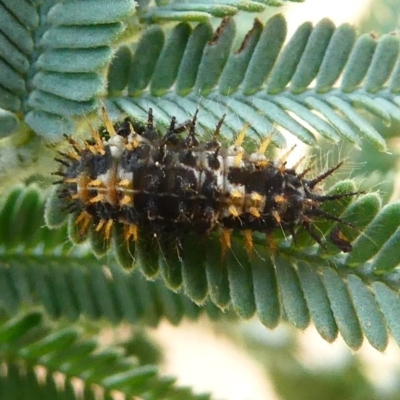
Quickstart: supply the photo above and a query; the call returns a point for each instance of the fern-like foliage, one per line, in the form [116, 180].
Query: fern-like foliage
[60, 59]
[200, 10]
[319, 77]
[354, 295]
[52, 60]
[29, 342]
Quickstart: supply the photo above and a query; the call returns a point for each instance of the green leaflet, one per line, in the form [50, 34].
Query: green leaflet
[8, 123]
[215, 55]
[264, 55]
[144, 60]
[313, 55]
[168, 63]
[342, 308]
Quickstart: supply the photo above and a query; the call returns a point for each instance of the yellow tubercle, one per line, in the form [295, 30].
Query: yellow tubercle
[100, 225]
[248, 241]
[126, 201]
[97, 138]
[234, 211]
[97, 198]
[107, 229]
[135, 143]
[106, 225]
[96, 182]
[107, 122]
[242, 135]
[276, 216]
[262, 163]
[74, 155]
[131, 231]
[264, 144]
[238, 159]
[237, 198]
[225, 241]
[256, 197]
[131, 129]
[254, 212]
[83, 220]
[235, 194]
[124, 183]
[280, 199]
[284, 158]
[71, 180]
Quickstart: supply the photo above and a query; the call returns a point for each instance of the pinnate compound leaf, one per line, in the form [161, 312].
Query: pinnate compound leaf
[202, 10]
[299, 283]
[27, 341]
[321, 81]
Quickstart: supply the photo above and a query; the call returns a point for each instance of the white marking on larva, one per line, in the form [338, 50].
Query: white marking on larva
[124, 175]
[117, 145]
[255, 158]
[201, 159]
[235, 150]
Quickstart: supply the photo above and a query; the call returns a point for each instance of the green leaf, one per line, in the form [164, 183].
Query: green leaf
[118, 71]
[191, 58]
[382, 63]
[342, 308]
[28, 339]
[215, 55]
[336, 56]
[291, 296]
[318, 302]
[17, 327]
[8, 123]
[202, 10]
[266, 294]
[240, 280]
[312, 57]
[382, 227]
[80, 37]
[52, 59]
[168, 63]
[97, 12]
[145, 59]
[264, 82]
[367, 309]
[264, 56]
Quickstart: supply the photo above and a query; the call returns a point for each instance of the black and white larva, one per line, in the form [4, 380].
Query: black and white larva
[173, 184]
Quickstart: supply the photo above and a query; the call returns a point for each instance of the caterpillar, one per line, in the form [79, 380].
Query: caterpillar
[173, 184]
